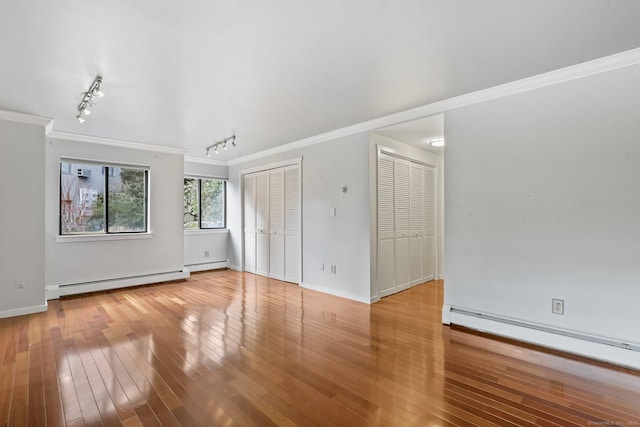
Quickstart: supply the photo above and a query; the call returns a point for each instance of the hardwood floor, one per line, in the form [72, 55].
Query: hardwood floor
[228, 348]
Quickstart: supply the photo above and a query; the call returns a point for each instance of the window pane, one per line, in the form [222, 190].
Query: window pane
[191, 209]
[212, 203]
[127, 200]
[81, 198]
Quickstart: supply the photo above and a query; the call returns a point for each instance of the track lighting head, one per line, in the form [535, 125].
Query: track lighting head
[87, 100]
[222, 143]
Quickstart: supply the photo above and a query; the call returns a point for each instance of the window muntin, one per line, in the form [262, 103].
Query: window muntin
[204, 203]
[84, 209]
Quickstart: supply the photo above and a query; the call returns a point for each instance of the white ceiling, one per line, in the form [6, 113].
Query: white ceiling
[418, 132]
[188, 73]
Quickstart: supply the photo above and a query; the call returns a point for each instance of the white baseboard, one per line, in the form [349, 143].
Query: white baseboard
[56, 291]
[337, 293]
[559, 340]
[207, 266]
[22, 311]
[235, 267]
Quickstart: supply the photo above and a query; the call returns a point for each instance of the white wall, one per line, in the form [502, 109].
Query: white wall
[205, 249]
[22, 213]
[69, 262]
[342, 240]
[542, 202]
[377, 141]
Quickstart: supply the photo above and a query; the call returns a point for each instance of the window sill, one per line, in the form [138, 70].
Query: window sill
[206, 231]
[102, 237]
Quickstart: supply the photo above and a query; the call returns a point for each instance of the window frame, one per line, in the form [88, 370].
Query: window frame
[199, 180]
[106, 167]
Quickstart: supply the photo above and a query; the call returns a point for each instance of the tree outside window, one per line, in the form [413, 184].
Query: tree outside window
[204, 203]
[84, 208]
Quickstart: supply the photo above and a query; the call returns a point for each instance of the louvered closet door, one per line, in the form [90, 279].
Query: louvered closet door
[276, 224]
[262, 223]
[292, 226]
[416, 222]
[429, 243]
[386, 226]
[402, 208]
[250, 223]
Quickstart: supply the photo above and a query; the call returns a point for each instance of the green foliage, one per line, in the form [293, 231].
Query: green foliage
[203, 203]
[191, 210]
[126, 201]
[212, 203]
[96, 220]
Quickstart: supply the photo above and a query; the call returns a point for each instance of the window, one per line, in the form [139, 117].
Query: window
[204, 203]
[102, 199]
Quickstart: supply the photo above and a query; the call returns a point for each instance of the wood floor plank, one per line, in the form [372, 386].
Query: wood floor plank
[234, 349]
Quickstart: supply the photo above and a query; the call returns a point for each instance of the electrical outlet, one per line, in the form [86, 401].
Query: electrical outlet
[206, 254]
[557, 306]
[20, 283]
[333, 269]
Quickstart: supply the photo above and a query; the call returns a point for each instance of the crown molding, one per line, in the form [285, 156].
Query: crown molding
[117, 143]
[205, 161]
[601, 65]
[29, 119]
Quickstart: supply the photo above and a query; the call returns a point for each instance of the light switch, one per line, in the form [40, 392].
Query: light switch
[333, 212]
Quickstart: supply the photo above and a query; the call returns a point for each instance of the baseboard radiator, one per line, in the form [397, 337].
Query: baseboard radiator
[210, 265]
[592, 346]
[56, 291]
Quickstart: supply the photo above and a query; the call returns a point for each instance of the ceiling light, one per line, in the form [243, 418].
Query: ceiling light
[87, 100]
[222, 143]
[437, 142]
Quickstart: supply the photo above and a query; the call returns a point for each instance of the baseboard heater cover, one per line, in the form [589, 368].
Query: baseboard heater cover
[593, 346]
[56, 291]
[203, 266]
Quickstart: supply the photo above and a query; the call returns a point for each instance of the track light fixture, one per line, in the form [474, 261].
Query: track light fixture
[88, 97]
[222, 143]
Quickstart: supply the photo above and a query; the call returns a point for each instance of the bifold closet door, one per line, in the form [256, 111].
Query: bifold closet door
[272, 224]
[276, 224]
[402, 210]
[262, 224]
[416, 219]
[292, 226]
[386, 226]
[429, 242]
[406, 227]
[250, 223]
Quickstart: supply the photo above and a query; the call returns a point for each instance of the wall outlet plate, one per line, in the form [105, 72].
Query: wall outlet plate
[557, 306]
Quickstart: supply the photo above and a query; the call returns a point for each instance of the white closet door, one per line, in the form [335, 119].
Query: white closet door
[386, 226]
[276, 224]
[250, 223]
[292, 227]
[416, 222]
[262, 224]
[402, 208]
[429, 244]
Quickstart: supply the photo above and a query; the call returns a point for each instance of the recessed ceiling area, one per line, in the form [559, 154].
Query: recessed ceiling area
[187, 74]
[417, 132]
